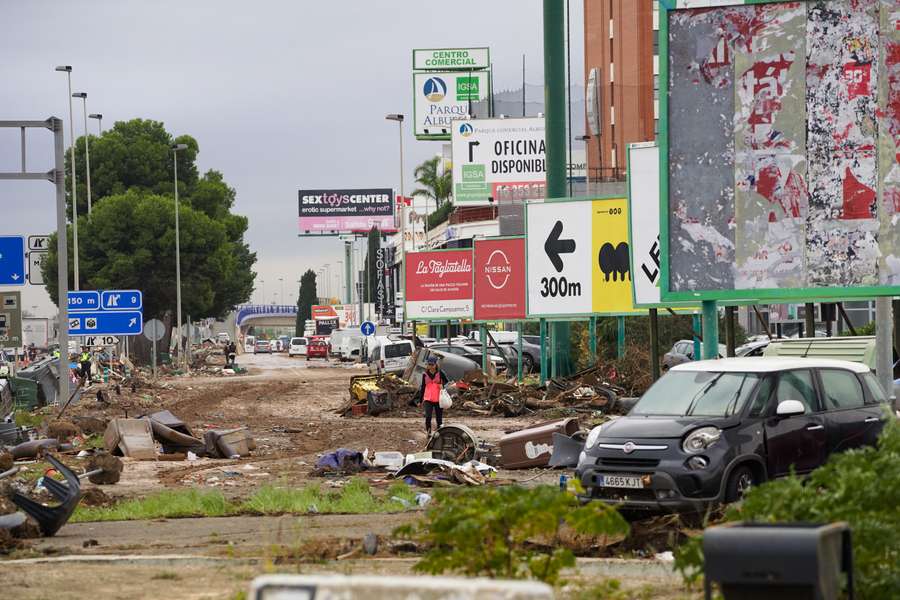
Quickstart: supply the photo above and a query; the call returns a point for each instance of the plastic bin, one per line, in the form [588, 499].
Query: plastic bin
[533, 447]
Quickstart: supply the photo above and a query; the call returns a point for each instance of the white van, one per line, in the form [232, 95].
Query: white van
[298, 346]
[250, 344]
[387, 355]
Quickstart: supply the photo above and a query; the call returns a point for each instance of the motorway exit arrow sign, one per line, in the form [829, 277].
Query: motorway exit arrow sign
[12, 260]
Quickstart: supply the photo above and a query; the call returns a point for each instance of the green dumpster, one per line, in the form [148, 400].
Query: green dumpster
[26, 393]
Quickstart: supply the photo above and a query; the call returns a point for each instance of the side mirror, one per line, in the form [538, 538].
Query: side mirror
[790, 408]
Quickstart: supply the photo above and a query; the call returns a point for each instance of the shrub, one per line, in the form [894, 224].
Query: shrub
[859, 487]
[508, 532]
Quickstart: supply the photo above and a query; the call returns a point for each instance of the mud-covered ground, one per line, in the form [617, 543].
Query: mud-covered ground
[289, 406]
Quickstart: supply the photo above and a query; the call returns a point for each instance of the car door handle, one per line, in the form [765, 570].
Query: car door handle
[814, 427]
[871, 420]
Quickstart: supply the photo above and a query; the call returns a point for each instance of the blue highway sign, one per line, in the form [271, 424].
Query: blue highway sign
[106, 323]
[367, 328]
[84, 300]
[12, 260]
[121, 300]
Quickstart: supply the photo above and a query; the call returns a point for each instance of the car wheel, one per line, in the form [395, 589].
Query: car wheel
[740, 482]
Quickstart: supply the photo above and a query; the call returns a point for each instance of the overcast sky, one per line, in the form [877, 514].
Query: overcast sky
[280, 95]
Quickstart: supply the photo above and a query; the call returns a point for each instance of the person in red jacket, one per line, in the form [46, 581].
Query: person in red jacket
[433, 381]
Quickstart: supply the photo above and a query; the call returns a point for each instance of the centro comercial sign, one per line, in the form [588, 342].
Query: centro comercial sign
[443, 59]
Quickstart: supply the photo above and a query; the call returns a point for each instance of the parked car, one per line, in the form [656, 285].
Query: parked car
[317, 349]
[285, 342]
[298, 346]
[473, 353]
[223, 337]
[276, 345]
[708, 431]
[388, 355]
[263, 347]
[752, 348]
[683, 351]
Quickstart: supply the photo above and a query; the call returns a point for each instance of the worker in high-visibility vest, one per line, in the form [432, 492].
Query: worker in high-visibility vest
[85, 361]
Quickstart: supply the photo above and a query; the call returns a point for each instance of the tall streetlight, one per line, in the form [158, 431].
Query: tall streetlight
[340, 270]
[262, 285]
[67, 69]
[175, 149]
[87, 152]
[99, 118]
[281, 279]
[399, 118]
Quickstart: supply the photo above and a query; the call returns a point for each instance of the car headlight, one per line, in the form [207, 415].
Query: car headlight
[592, 437]
[701, 439]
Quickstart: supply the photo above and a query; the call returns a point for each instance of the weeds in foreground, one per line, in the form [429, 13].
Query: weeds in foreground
[356, 497]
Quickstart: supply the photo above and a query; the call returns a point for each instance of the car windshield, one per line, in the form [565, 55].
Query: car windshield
[697, 393]
[397, 350]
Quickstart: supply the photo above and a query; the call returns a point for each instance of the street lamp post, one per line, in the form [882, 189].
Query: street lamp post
[399, 119]
[67, 69]
[281, 279]
[87, 151]
[99, 118]
[262, 284]
[175, 149]
[340, 269]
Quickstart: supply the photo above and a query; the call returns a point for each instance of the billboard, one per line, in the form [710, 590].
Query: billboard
[780, 137]
[578, 258]
[344, 211]
[502, 159]
[439, 285]
[499, 279]
[441, 98]
[448, 59]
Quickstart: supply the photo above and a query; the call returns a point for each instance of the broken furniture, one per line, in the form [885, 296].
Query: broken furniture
[533, 447]
[51, 518]
[130, 437]
[174, 434]
[228, 443]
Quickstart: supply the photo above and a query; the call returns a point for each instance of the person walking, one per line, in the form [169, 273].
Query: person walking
[433, 381]
[85, 362]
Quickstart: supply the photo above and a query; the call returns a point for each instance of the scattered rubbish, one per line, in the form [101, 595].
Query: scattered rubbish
[566, 449]
[422, 499]
[50, 519]
[434, 471]
[12, 521]
[370, 544]
[35, 448]
[173, 433]
[341, 460]
[457, 443]
[229, 443]
[104, 469]
[130, 437]
[533, 447]
[388, 460]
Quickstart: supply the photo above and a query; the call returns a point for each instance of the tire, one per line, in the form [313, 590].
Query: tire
[740, 481]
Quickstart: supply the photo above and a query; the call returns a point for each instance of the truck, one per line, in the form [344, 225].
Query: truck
[36, 331]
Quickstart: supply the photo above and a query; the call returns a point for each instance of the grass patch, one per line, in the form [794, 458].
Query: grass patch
[356, 497]
[29, 419]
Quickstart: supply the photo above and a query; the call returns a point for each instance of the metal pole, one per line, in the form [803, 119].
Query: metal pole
[810, 319]
[620, 337]
[543, 331]
[569, 99]
[710, 330]
[555, 118]
[697, 326]
[402, 224]
[554, 351]
[23, 149]
[883, 345]
[654, 344]
[347, 273]
[74, 194]
[154, 359]
[729, 330]
[448, 332]
[87, 154]
[62, 250]
[897, 327]
[519, 350]
[592, 338]
[177, 260]
[482, 333]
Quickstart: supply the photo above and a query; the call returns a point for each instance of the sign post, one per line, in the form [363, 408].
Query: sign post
[154, 330]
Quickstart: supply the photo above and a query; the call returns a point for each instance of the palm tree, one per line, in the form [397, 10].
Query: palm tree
[437, 187]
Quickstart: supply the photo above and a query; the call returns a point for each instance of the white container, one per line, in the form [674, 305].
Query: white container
[390, 460]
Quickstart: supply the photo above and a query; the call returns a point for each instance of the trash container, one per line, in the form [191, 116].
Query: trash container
[778, 561]
[26, 393]
[532, 447]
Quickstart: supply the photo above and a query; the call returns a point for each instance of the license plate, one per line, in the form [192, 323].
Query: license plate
[620, 481]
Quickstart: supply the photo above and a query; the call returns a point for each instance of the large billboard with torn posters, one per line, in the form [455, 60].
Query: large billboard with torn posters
[781, 149]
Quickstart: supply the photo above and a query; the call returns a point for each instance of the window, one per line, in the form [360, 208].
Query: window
[875, 389]
[761, 402]
[397, 350]
[798, 385]
[697, 393]
[841, 390]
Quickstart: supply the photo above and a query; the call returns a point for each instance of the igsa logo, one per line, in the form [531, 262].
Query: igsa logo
[435, 89]
[498, 269]
[466, 130]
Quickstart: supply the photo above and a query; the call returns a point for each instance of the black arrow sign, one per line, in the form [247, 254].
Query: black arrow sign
[555, 246]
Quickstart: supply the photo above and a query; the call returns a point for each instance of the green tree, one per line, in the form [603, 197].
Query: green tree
[306, 297]
[132, 164]
[129, 243]
[435, 186]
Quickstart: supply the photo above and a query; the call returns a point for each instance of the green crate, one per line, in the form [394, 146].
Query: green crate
[26, 393]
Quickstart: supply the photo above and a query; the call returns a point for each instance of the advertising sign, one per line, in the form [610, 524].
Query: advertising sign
[344, 211]
[779, 149]
[612, 276]
[499, 279]
[10, 319]
[448, 59]
[440, 98]
[503, 159]
[439, 285]
[323, 311]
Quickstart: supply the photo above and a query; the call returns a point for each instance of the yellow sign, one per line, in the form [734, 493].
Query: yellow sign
[611, 264]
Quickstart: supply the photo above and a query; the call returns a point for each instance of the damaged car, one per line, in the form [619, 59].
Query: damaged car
[708, 431]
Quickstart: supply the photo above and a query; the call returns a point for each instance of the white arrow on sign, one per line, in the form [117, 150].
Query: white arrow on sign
[559, 258]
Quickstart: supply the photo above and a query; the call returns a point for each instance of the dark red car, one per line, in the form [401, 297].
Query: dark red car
[317, 349]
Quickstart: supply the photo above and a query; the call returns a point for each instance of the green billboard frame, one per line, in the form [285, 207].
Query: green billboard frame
[765, 295]
[440, 136]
